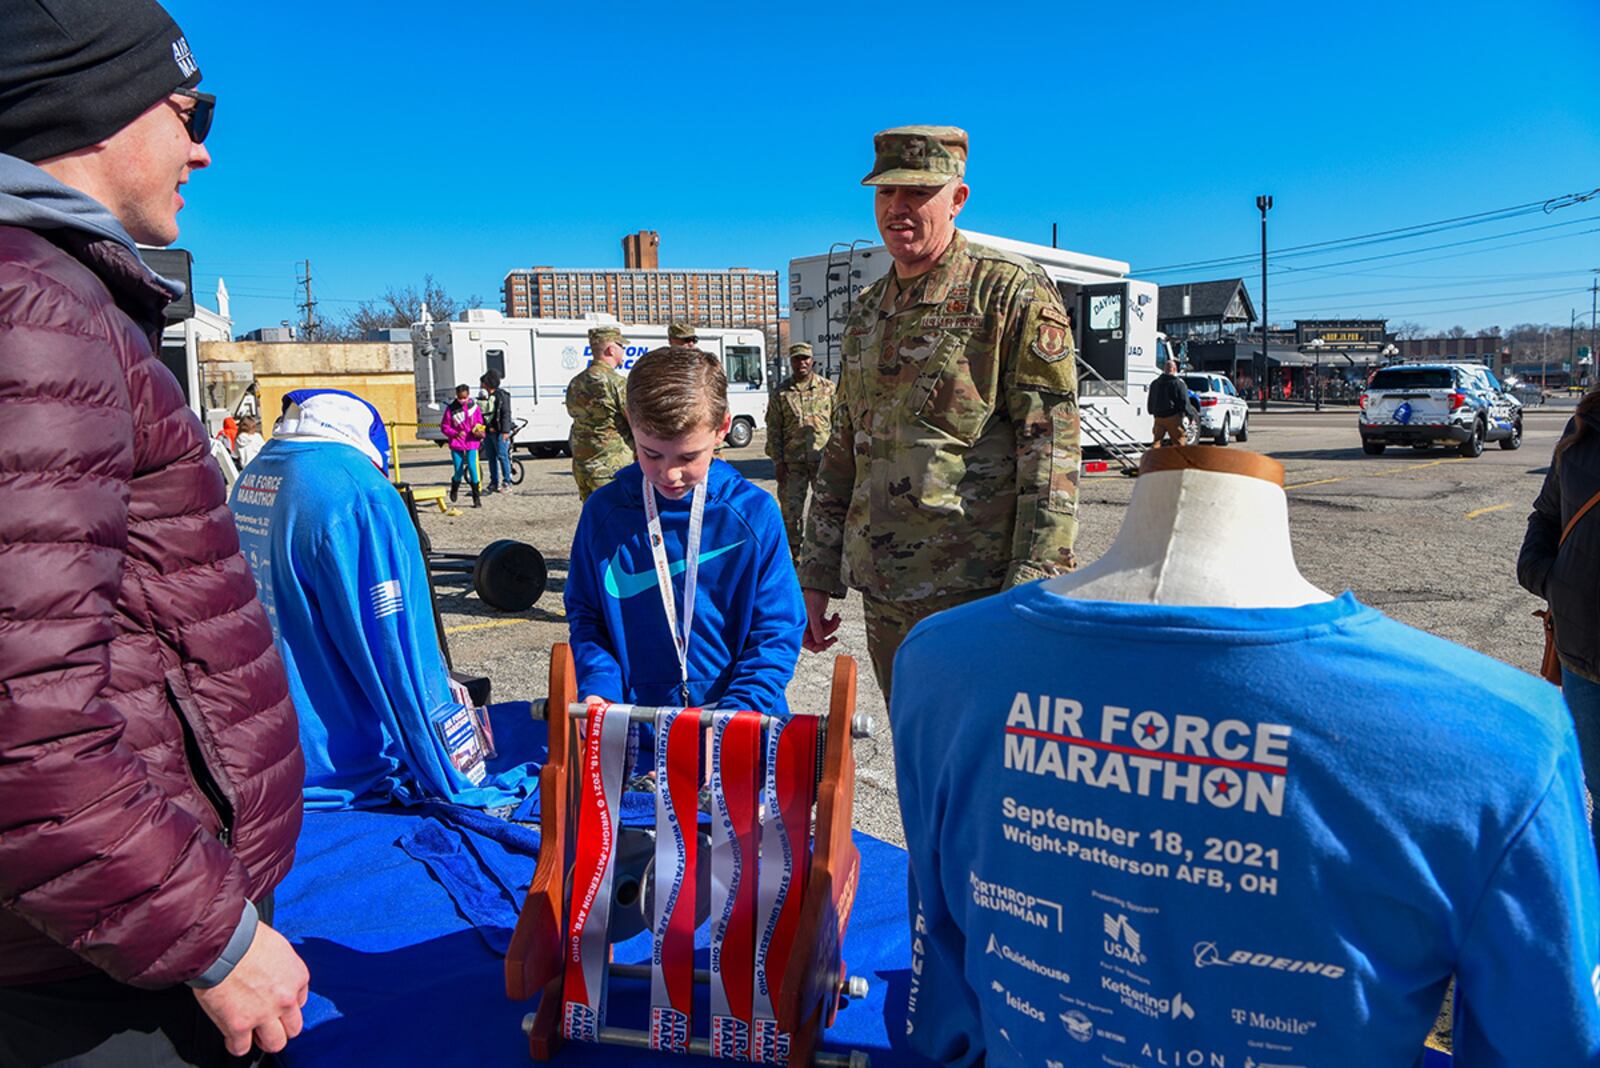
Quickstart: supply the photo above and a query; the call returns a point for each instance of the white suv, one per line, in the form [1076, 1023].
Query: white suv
[1423, 404]
[1223, 413]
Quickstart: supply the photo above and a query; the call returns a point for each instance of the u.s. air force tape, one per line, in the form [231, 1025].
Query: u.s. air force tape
[787, 797]
[677, 820]
[584, 989]
[735, 763]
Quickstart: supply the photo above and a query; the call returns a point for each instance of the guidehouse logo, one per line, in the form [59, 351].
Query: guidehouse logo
[1122, 941]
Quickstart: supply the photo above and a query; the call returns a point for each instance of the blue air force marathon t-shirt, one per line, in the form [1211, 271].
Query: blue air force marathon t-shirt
[1229, 838]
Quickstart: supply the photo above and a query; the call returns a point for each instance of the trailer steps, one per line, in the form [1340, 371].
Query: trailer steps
[1101, 429]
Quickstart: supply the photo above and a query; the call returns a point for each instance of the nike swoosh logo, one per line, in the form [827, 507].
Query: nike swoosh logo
[622, 583]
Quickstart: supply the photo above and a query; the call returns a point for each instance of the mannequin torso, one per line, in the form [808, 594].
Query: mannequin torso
[1205, 527]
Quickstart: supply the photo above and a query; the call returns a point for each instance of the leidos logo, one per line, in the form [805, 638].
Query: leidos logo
[1229, 763]
[1122, 941]
[1207, 956]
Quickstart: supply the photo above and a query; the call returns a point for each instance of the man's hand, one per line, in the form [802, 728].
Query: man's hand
[781, 471]
[819, 625]
[261, 998]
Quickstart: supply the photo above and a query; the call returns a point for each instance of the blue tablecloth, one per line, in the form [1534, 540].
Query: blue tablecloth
[403, 916]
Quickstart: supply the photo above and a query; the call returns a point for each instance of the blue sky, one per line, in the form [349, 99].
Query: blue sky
[471, 138]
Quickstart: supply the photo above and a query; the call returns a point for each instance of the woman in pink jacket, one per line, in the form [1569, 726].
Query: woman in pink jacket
[463, 429]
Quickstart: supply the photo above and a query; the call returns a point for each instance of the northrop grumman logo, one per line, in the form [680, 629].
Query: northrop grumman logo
[1228, 763]
[183, 57]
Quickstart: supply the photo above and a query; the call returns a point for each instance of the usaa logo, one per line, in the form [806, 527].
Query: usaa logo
[1122, 941]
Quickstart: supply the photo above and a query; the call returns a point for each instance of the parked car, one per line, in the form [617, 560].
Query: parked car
[1223, 413]
[1423, 404]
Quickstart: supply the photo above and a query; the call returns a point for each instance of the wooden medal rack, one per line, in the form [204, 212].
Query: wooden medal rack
[815, 978]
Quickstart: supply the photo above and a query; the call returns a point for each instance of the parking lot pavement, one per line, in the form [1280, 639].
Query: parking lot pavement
[1427, 536]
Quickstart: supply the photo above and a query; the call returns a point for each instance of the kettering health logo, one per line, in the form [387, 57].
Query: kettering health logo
[622, 583]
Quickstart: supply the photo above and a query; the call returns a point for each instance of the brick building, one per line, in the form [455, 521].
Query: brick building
[643, 292]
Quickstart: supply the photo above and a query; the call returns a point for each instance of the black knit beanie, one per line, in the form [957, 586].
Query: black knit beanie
[74, 72]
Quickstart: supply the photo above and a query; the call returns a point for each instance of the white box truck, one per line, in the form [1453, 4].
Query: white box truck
[1114, 323]
[536, 358]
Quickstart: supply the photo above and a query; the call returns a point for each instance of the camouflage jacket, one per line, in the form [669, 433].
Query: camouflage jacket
[798, 420]
[953, 462]
[597, 401]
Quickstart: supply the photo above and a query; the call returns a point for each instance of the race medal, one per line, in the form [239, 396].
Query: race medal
[677, 820]
[787, 797]
[583, 991]
[735, 762]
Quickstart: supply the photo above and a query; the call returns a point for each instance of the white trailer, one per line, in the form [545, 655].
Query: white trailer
[1114, 323]
[536, 358]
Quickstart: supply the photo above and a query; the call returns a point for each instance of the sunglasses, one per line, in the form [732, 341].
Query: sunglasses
[197, 120]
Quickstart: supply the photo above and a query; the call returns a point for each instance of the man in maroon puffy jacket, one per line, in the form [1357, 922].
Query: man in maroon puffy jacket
[150, 770]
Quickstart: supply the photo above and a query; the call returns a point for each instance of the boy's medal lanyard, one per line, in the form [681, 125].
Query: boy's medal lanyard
[691, 572]
[588, 943]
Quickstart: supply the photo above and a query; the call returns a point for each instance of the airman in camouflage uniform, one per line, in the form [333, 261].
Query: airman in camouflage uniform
[799, 416]
[952, 468]
[597, 400]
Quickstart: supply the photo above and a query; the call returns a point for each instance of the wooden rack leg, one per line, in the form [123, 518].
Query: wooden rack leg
[809, 999]
[535, 957]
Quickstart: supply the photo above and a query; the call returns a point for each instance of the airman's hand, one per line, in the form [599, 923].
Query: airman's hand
[820, 626]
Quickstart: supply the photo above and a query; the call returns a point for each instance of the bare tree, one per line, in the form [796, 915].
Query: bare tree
[401, 308]
[1406, 330]
[1456, 331]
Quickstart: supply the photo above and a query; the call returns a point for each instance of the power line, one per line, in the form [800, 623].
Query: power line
[1545, 206]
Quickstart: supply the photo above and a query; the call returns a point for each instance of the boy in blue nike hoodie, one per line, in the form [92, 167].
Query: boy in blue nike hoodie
[681, 591]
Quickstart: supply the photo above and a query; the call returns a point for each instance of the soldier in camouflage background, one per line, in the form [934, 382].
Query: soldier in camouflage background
[799, 416]
[597, 399]
[952, 469]
[682, 335]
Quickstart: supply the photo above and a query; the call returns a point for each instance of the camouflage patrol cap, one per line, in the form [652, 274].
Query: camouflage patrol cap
[799, 349]
[918, 155]
[601, 336]
[682, 331]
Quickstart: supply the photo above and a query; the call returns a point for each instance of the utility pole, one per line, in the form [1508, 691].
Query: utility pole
[1264, 204]
[1053, 235]
[308, 307]
[1594, 288]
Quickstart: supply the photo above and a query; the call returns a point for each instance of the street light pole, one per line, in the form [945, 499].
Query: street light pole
[1263, 205]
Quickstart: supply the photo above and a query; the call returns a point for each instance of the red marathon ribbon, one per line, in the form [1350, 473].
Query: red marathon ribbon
[677, 823]
[588, 947]
[735, 764]
[790, 790]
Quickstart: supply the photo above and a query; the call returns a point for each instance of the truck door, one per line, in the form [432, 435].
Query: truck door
[1103, 338]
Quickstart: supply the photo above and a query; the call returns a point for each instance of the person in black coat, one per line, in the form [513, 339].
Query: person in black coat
[1567, 573]
[497, 431]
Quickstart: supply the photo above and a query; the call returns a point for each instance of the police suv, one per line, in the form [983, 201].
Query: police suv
[1223, 413]
[1423, 404]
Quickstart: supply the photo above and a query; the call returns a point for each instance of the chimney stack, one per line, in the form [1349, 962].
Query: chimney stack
[642, 251]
